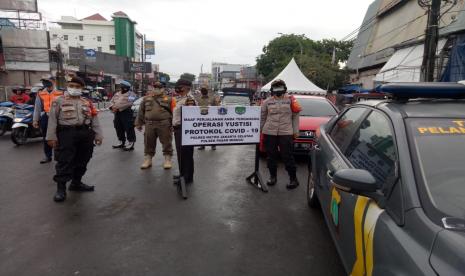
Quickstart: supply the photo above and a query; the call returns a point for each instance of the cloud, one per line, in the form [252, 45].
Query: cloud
[189, 33]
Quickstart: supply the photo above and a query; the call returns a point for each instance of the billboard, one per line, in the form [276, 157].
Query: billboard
[139, 67]
[150, 48]
[19, 5]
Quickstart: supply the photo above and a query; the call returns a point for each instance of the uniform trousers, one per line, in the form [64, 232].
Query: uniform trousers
[185, 156]
[124, 125]
[284, 145]
[43, 123]
[74, 151]
[158, 130]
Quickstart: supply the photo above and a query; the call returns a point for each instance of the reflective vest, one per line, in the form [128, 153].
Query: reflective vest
[47, 98]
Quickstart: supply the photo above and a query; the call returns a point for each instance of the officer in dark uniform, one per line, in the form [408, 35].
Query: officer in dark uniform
[121, 104]
[185, 154]
[73, 128]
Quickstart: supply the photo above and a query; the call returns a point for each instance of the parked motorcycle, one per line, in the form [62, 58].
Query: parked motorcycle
[22, 128]
[6, 117]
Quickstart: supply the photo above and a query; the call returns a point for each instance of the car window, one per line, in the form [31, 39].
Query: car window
[346, 126]
[316, 108]
[373, 149]
[439, 147]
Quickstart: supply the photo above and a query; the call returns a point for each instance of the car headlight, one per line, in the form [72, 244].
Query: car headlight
[306, 134]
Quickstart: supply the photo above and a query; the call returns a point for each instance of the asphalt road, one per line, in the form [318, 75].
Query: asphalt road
[135, 223]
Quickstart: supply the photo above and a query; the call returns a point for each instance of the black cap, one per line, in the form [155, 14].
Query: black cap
[77, 80]
[183, 82]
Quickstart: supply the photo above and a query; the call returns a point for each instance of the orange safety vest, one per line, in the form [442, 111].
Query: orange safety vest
[47, 98]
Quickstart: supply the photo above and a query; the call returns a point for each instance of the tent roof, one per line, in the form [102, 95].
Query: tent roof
[295, 81]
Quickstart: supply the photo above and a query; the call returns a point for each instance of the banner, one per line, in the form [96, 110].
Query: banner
[149, 48]
[19, 5]
[220, 125]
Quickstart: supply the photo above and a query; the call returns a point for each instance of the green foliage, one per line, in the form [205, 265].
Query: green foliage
[188, 76]
[315, 59]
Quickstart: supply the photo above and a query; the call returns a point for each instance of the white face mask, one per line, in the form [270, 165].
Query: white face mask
[74, 91]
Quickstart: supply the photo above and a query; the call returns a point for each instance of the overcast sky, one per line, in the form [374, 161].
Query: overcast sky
[189, 33]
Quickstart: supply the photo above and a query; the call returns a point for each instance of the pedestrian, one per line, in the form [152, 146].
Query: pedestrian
[205, 100]
[19, 95]
[280, 125]
[185, 154]
[156, 115]
[73, 128]
[120, 105]
[42, 106]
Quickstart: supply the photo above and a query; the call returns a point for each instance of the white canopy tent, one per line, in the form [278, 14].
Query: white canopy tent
[295, 80]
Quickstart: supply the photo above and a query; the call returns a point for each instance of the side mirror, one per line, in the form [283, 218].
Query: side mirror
[355, 181]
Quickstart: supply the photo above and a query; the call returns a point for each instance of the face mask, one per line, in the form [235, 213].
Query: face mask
[157, 91]
[74, 91]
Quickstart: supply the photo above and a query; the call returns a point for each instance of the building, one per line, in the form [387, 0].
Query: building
[389, 44]
[118, 36]
[225, 74]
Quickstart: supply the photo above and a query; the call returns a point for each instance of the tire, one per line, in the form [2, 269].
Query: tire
[312, 198]
[19, 136]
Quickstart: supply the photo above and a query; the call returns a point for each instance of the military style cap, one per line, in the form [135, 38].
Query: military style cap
[183, 82]
[78, 80]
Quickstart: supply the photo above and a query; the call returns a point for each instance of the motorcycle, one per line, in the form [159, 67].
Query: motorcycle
[22, 128]
[6, 117]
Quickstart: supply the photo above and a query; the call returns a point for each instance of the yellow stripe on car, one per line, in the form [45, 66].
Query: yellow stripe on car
[364, 231]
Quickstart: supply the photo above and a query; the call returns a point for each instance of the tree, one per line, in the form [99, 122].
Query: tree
[188, 76]
[315, 60]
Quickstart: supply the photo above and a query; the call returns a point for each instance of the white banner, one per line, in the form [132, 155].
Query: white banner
[220, 125]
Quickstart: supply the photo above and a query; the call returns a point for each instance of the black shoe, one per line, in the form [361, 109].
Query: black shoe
[80, 187]
[60, 195]
[46, 160]
[294, 183]
[129, 147]
[120, 145]
[213, 147]
[272, 181]
[201, 147]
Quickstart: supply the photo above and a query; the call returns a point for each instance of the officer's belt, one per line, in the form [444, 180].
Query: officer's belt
[157, 121]
[80, 127]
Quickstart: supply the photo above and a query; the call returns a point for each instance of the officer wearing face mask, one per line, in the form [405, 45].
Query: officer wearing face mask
[280, 125]
[156, 114]
[121, 104]
[43, 103]
[73, 128]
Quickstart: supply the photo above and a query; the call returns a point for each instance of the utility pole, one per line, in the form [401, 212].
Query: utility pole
[431, 42]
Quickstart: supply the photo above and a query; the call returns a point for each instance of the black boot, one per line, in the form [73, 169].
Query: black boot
[120, 145]
[60, 195]
[129, 147]
[78, 186]
[294, 183]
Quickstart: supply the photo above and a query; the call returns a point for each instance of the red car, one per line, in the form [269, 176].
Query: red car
[316, 110]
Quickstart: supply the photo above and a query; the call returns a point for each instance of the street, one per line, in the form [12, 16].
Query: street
[135, 223]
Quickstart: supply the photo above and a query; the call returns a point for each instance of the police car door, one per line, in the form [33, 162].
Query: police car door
[330, 159]
[371, 148]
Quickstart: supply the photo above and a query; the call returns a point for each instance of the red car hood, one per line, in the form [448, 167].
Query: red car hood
[312, 123]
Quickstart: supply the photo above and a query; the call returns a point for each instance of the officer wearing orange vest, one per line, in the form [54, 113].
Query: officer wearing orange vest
[43, 103]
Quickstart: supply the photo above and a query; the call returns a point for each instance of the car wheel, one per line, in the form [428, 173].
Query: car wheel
[312, 198]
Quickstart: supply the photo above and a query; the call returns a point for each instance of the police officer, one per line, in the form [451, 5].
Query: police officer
[43, 103]
[121, 104]
[73, 127]
[185, 154]
[156, 114]
[204, 100]
[280, 125]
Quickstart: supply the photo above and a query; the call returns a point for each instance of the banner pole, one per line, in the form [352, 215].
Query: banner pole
[255, 179]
